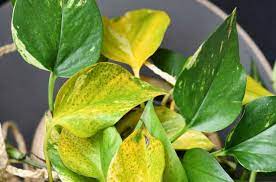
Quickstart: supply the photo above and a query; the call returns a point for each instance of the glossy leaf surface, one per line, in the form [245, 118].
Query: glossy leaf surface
[97, 97]
[169, 61]
[174, 171]
[62, 36]
[89, 156]
[253, 141]
[135, 36]
[140, 158]
[254, 90]
[65, 174]
[209, 91]
[203, 167]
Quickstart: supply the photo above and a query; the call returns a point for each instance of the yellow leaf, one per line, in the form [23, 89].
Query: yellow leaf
[192, 139]
[134, 37]
[254, 90]
[141, 157]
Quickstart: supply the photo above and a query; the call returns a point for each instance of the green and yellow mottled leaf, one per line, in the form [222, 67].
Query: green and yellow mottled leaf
[134, 37]
[274, 77]
[89, 156]
[65, 174]
[192, 139]
[174, 170]
[97, 97]
[140, 158]
[254, 90]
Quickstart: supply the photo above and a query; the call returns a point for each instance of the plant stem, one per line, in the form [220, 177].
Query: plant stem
[253, 175]
[48, 163]
[219, 153]
[166, 98]
[51, 87]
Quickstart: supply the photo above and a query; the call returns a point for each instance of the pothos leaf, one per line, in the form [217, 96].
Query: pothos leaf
[169, 61]
[140, 158]
[65, 174]
[253, 141]
[254, 90]
[60, 36]
[134, 37]
[174, 171]
[89, 156]
[202, 167]
[97, 97]
[209, 91]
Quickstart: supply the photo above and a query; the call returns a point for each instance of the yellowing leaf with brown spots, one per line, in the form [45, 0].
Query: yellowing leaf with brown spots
[97, 97]
[89, 157]
[134, 37]
[140, 158]
[254, 90]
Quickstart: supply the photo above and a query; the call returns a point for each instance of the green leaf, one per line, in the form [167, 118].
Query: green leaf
[210, 89]
[140, 158]
[254, 72]
[97, 97]
[254, 90]
[134, 37]
[65, 174]
[89, 156]
[60, 36]
[174, 170]
[169, 61]
[253, 141]
[203, 167]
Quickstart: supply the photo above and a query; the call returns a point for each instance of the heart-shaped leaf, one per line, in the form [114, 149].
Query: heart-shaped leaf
[65, 174]
[202, 167]
[140, 158]
[89, 156]
[209, 91]
[253, 141]
[169, 61]
[60, 36]
[134, 37]
[97, 97]
[254, 90]
[174, 171]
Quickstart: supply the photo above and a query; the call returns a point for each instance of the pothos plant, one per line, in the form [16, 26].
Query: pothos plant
[107, 124]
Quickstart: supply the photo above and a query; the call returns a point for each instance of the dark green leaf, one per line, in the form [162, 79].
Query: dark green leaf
[254, 72]
[173, 169]
[253, 141]
[13, 2]
[203, 167]
[168, 61]
[210, 89]
[59, 36]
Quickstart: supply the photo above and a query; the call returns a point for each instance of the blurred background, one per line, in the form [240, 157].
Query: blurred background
[23, 88]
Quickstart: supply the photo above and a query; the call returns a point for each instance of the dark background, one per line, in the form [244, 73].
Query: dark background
[258, 18]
